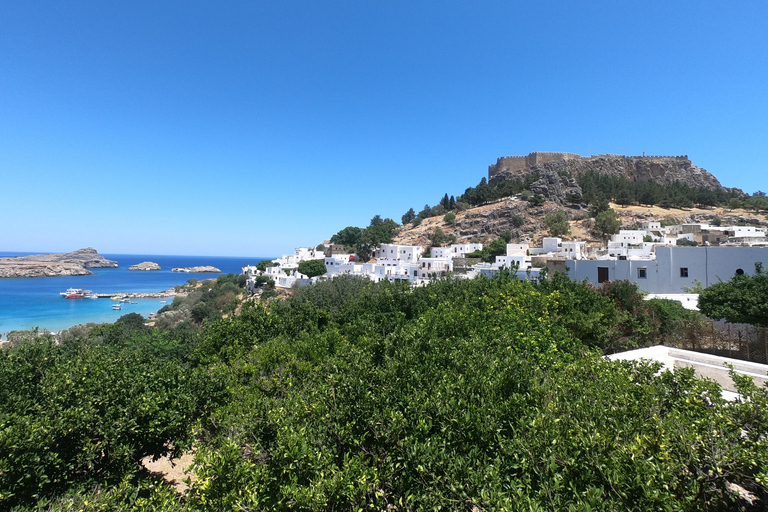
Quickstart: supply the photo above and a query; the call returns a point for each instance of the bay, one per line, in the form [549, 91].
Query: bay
[28, 303]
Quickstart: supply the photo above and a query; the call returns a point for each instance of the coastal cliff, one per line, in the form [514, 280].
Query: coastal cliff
[74, 263]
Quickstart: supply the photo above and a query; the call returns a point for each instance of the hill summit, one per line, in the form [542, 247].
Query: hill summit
[558, 172]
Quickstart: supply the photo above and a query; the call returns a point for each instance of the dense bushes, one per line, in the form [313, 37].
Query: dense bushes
[481, 394]
[85, 415]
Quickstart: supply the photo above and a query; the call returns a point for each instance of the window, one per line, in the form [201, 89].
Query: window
[739, 271]
[641, 273]
[602, 274]
[683, 271]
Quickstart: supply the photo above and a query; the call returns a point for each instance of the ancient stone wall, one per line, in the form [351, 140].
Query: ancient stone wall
[513, 164]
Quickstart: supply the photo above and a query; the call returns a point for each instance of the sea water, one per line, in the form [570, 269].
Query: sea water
[28, 303]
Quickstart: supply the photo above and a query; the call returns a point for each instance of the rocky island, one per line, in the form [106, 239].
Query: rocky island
[74, 263]
[145, 265]
[205, 269]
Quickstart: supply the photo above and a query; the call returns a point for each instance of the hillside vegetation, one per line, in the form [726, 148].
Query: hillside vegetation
[485, 394]
[509, 208]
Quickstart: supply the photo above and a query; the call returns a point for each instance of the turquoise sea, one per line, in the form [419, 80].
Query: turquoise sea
[35, 302]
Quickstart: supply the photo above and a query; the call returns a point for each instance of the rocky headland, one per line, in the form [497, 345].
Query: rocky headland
[145, 266]
[204, 269]
[74, 263]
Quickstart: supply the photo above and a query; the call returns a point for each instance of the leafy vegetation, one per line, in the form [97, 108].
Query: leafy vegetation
[312, 268]
[743, 299]
[624, 191]
[486, 394]
[365, 241]
[607, 223]
[557, 223]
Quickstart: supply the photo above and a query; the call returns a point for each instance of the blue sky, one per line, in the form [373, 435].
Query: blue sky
[250, 128]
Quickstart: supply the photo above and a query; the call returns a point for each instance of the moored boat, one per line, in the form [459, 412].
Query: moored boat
[76, 293]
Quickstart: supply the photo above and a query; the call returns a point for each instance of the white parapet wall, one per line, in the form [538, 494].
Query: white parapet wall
[705, 365]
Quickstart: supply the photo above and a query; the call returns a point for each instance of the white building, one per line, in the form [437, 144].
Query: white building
[408, 253]
[674, 268]
[460, 250]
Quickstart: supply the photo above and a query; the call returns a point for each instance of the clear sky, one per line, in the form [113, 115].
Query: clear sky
[248, 128]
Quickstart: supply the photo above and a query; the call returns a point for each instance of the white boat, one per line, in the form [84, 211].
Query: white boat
[76, 293]
[117, 306]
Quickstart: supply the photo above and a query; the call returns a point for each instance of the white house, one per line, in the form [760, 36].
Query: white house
[337, 263]
[441, 252]
[398, 252]
[627, 237]
[674, 268]
[460, 250]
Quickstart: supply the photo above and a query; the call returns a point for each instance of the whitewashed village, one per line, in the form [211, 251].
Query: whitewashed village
[650, 257]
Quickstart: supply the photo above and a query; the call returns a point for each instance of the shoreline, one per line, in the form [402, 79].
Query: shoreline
[55, 324]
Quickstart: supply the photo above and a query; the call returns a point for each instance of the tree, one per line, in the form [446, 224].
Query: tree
[347, 236]
[264, 264]
[450, 218]
[408, 216]
[133, 320]
[557, 223]
[445, 202]
[598, 206]
[625, 197]
[496, 248]
[425, 212]
[607, 222]
[368, 243]
[573, 198]
[312, 268]
[536, 200]
[743, 299]
[437, 238]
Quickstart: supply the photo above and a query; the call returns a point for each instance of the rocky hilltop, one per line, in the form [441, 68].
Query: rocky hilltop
[74, 263]
[558, 171]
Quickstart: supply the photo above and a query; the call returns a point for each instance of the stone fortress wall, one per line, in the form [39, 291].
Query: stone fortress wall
[522, 163]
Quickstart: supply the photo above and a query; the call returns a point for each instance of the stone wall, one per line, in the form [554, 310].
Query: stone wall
[515, 164]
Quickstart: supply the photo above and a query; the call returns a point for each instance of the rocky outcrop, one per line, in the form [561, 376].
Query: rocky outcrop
[556, 187]
[662, 169]
[145, 265]
[53, 265]
[37, 269]
[205, 269]
[514, 216]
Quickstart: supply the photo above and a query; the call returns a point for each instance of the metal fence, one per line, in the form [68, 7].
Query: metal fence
[737, 341]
